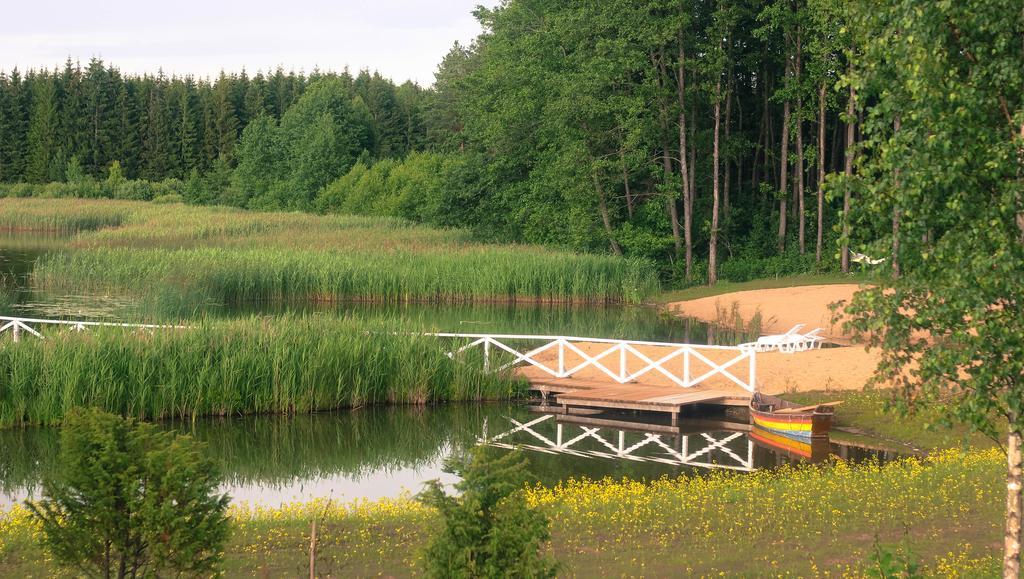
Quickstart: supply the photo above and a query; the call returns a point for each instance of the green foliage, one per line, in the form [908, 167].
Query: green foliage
[889, 563]
[130, 500]
[73, 172]
[115, 175]
[949, 325]
[488, 528]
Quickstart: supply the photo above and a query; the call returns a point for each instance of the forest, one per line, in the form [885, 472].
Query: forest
[717, 139]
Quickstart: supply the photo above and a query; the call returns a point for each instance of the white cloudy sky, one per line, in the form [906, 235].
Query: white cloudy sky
[403, 39]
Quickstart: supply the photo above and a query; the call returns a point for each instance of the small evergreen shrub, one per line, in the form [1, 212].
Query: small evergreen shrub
[130, 500]
[489, 530]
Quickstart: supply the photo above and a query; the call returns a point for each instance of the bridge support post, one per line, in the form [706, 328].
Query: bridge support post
[487, 356]
[753, 372]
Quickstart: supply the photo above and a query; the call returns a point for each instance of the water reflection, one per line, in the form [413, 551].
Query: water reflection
[383, 451]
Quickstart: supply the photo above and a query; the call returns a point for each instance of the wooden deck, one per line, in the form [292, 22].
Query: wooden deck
[574, 393]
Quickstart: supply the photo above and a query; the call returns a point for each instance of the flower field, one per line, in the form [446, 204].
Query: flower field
[808, 521]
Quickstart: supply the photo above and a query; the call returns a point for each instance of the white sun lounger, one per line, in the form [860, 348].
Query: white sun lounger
[789, 342]
[772, 342]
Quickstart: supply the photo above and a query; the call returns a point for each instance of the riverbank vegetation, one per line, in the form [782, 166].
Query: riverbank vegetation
[287, 364]
[943, 511]
[232, 256]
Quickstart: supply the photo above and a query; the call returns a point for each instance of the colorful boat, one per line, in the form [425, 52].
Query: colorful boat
[808, 449]
[791, 420]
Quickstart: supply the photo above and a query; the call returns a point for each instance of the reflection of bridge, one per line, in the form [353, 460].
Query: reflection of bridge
[724, 445]
[620, 374]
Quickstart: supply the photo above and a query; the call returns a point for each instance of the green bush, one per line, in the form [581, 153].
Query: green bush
[132, 501]
[489, 530]
[746, 269]
[168, 198]
[135, 190]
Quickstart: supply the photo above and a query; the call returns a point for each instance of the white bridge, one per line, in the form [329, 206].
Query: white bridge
[718, 449]
[557, 357]
[621, 361]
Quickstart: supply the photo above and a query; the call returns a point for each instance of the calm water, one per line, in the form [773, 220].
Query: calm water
[385, 451]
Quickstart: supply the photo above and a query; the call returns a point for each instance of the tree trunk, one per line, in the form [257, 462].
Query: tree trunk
[605, 217]
[725, 162]
[799, 185]
[713, 245]
[848, 171]
[739, 158]
[625, 185]
[783, 175]
[834, 155]
[821, 172]
[670, 203]
[673, 210]
[1011, 555]
[762, 147]
[685, 168]
[896, 215]
[799, 173]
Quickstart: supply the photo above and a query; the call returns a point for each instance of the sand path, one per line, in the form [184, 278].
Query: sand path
[842, 368]
[780, 309]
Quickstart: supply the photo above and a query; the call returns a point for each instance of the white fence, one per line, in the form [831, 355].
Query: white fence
[18, 325]
[672, 361]
[623, 361]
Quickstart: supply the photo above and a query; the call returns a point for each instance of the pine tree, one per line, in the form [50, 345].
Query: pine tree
[225, 117]
[101, 100]
[42, 132]
[188, 128]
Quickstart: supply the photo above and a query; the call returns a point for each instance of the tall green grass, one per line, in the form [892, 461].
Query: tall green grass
[234, 256]
[239, 276]
[62, 215]
[288, 364]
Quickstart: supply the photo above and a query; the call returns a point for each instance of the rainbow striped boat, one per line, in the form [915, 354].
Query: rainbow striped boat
[777, 416]
[807, 449]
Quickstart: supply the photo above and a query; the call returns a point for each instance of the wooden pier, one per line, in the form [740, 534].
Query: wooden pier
[607, 374]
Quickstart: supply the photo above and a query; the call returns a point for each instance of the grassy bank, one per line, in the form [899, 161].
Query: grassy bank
[868, 413]
[286, 365]
[234, 256]
[805, 521]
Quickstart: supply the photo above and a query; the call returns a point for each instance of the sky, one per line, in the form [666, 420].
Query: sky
[402, 39]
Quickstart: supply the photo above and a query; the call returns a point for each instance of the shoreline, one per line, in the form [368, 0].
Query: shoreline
[846, 367]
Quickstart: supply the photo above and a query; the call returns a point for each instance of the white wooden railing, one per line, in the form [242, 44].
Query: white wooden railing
[723, 450]
[613, 359]
[673, 361]
[18, 325]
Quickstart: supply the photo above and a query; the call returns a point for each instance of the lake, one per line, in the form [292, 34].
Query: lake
[375, 452]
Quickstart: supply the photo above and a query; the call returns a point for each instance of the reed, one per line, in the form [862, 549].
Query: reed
[289, 364]
[233, 256]
[235, 276]
[60, 215]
